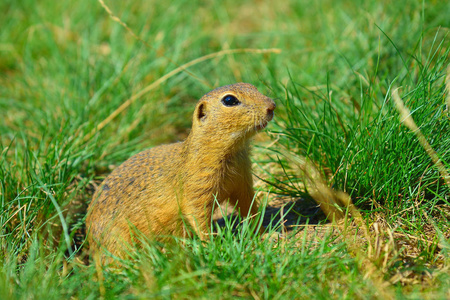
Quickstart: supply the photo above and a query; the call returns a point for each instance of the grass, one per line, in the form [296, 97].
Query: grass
[67, 67]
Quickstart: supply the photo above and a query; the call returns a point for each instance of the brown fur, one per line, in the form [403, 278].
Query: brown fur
[160, 190]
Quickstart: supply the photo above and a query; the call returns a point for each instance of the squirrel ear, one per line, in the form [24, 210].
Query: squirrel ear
[201, 114]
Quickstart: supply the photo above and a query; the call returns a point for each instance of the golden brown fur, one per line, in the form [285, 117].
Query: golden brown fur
[159, 190]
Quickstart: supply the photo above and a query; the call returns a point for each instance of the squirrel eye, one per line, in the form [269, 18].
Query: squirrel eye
[230, 100]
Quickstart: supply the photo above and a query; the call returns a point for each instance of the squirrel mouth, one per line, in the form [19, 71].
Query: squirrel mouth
[263, 123]
[269, 116]
[261, 126]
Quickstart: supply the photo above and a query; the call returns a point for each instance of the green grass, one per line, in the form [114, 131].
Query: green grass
[228, 266]
[66, 66]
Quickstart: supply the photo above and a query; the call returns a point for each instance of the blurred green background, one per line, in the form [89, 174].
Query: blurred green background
[66, 66]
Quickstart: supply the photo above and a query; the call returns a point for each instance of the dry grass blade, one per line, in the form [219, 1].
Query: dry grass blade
[336, 205]
[118, 20]
[327, 199]
[406, 119]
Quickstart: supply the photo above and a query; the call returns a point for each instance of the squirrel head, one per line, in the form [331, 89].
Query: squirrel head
[232, 113]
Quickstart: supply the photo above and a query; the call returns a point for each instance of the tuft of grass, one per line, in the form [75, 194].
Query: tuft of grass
[363, 148]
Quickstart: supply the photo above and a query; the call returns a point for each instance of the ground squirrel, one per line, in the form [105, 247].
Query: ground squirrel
[160, 190]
